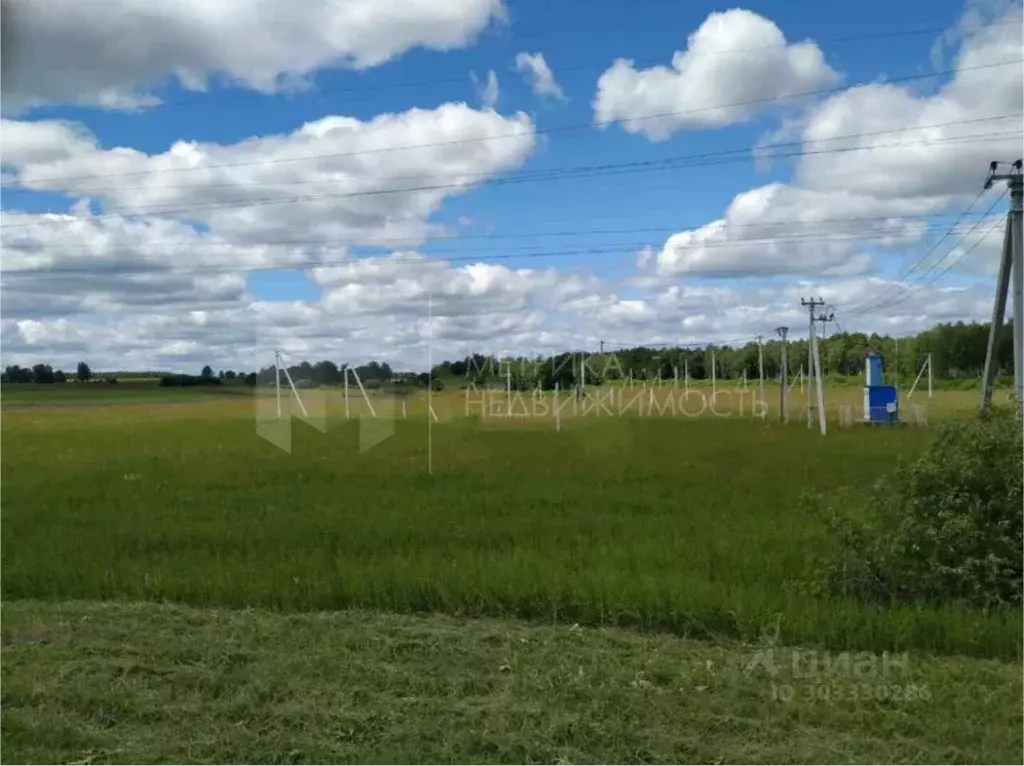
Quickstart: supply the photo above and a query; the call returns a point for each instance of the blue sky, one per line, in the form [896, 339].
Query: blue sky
[860, 43]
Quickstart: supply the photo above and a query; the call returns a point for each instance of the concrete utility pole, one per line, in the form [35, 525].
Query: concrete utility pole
[929, 376]
[347, 412]
[927, 365]
[760, 370]
[1012, 262]
[581, 386]
[277, 381]
[814, 361]
[713, 389]
[823, 318]
[783, 412]
[896, 363]
[278, 369]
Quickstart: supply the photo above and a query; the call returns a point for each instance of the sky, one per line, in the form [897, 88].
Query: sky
[188, 183]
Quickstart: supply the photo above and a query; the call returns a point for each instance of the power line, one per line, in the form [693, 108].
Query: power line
[561, 69]
[722, 152]
[870, 304]
[996, 224]
[1011, 265]
[677, 345]
[103, 268]
[909, 291]
[904, 294]
[554, 129]
[415, 241]
[549, 175]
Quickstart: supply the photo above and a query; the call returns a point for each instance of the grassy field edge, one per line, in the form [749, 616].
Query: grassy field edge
[144, 682]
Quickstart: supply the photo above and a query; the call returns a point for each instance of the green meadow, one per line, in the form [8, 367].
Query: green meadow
[689, 528]
[695, 526]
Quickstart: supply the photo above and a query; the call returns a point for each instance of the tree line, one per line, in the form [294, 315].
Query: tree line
[44, 373]
[957, 353]
[371, 375]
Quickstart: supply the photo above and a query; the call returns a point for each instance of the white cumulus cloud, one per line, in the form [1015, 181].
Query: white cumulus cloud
[735, 57]
[542, 79]
[488, 90]
[110, 52]
[337, 179]
[884, 156]
[153, 266]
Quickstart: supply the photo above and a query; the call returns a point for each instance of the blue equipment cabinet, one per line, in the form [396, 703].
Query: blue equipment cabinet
[881, 402]
[873, 370]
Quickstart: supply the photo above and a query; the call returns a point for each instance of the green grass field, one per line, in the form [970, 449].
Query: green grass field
[130, 392]
[687, 527]
[88, 682]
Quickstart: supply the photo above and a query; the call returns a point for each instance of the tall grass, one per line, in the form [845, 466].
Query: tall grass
[692, 526]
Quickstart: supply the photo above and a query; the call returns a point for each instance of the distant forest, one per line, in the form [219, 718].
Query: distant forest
[957, 350]
[958, 353]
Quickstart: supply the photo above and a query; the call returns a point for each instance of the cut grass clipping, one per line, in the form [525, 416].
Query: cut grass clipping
[88, 682]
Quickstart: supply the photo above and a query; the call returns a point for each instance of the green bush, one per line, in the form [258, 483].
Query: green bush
[945, 527]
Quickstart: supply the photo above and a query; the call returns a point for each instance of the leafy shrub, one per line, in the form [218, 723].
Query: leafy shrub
[945, 527]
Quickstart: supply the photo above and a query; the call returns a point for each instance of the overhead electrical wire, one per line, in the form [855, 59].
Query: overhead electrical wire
[557, 174]
[561, 68]
[909, 290]
[903, 293]
[867, 305]
[960, 259]
[875, 304]
[745, 150]
[398, 242]
[553, 129]
[674, 345]
[683, 161]
[107, 267]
